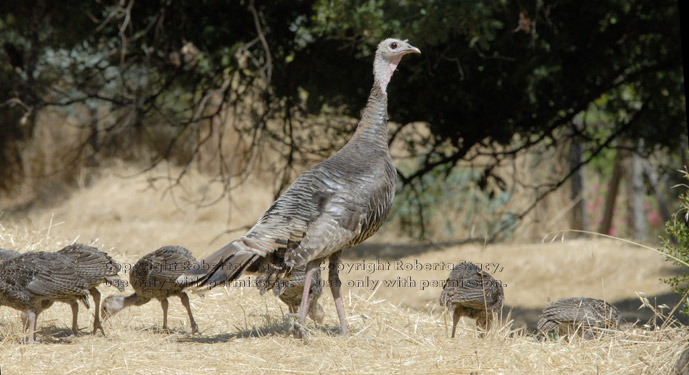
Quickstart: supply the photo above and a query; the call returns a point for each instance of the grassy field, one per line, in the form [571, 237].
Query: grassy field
[397, 327]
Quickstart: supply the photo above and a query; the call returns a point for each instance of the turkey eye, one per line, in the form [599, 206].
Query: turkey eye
[393, 45]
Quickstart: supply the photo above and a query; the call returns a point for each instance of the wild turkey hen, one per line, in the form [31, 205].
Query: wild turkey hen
[581, 315]
[682, 363]
[294, 288]
[471, 292]
[335, 205]
[153, 276]
[32, 281]
[8, 254]
[96, 267]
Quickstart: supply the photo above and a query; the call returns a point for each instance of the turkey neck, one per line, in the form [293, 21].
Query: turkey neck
[135, 300]
[372, 128]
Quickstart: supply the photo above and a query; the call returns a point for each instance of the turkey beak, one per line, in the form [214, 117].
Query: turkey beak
[408, 48]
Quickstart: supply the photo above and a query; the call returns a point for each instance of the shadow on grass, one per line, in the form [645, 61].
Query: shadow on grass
[281, 329]
[49, 334]
[160, 330]
[385, 251]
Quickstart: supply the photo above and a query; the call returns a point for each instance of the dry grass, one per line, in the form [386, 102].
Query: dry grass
[533, 273]
[245, 333]
[395, 330]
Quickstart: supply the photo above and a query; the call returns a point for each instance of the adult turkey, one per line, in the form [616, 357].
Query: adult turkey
[469, 291]
[32, 281]
[153, 276]
[582, 315]
[335, 205]
[96, 267]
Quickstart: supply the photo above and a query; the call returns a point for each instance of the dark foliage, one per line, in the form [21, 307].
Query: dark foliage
[503, 75]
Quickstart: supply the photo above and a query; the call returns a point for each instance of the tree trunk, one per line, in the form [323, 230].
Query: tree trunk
[655, 182]
[636, 196]
[93, 137]
[577, 192]
[613, 187]
[683, 151]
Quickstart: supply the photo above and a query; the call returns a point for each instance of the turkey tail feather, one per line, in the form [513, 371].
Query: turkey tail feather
[224, 265]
